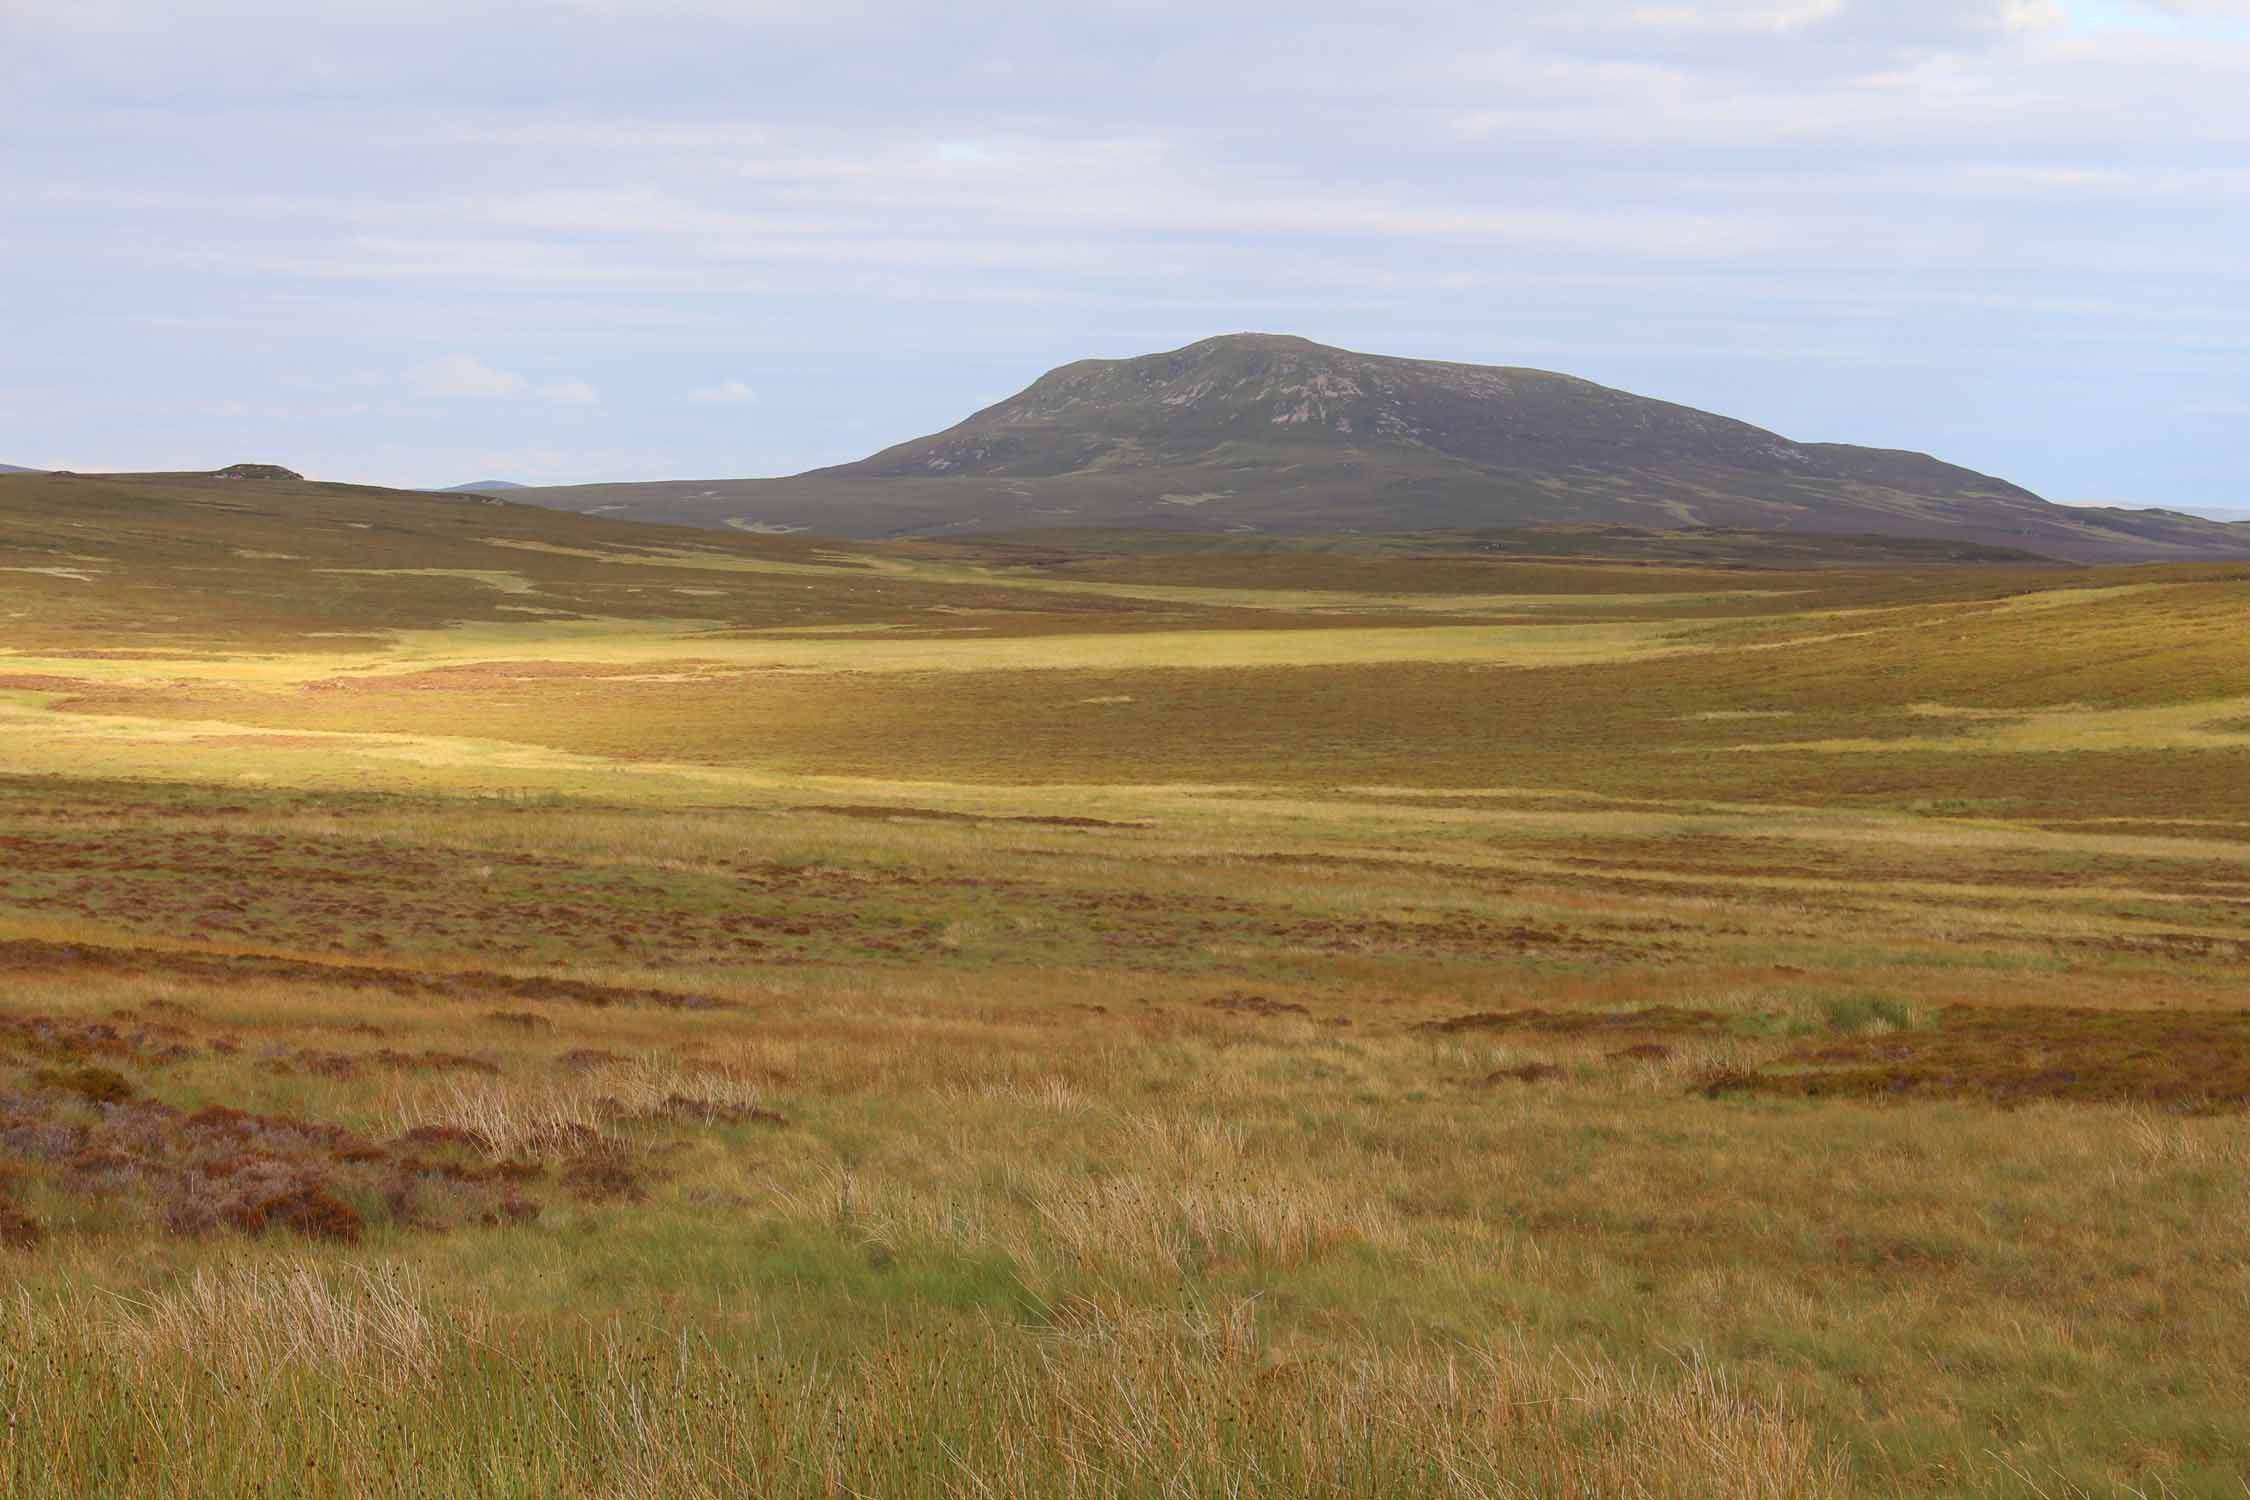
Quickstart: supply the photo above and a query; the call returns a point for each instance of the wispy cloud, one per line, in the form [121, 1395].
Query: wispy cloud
[464, 375]
[2221, 10]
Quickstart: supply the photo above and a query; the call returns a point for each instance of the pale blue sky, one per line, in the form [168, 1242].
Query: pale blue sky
[427, 241]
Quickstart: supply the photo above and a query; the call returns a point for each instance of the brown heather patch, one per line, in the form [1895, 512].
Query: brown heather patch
[261, 1196]
[63, 1039]
[1655, 1020]
[223, 1168]
[883, 810]
[342, 1065]
[19, 1230]
[606, 1173]
[520, 1020]
[443, 1138]
[98, 1085]
[1530, 1072]
[1716, 1083]
[684, 1109]
[1241, 1002]
[37, 955]
[2191, 1061]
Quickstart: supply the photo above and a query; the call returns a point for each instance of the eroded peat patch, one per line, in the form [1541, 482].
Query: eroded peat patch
[2192, 1062]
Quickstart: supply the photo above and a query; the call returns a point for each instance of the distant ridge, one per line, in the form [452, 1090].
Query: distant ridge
[2229, 514]
[480, 486]
[1270, 433]
[13, 469]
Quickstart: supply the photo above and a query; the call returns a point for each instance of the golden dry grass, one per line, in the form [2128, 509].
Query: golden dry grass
[613, 1058]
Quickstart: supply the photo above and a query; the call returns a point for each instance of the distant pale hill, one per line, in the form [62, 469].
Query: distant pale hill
[480, 486]
[1264, 433]
[13, 469]
[2229, 514]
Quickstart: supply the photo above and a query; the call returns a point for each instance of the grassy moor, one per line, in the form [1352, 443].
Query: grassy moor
[502, 1002]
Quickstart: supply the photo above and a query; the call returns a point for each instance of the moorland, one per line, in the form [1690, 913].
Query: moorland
[502, 1002]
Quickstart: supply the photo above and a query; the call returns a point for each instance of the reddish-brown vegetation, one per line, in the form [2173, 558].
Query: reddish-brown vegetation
[2196, 1061]
[605, 1173]
[36, 955]
[101, 1085]
[1656, 1020]
[219, 1167]
[1241, 1002]
[1530, 1072]
[520, 1020]
[19, 1230]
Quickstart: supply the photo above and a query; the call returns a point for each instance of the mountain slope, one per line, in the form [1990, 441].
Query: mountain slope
[1270, 433]
[1247, 393]
[13, 469]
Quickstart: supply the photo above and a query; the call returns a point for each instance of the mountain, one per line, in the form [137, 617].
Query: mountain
[480, 487]
[1259, 432]
[12, 469]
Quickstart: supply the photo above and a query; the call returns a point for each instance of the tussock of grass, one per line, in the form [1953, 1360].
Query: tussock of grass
[363, 1390]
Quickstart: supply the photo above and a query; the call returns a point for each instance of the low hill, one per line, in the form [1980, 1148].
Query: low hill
[173, 564]
[1254, 432]
[188, 563]
[12, 469]
[480, 487]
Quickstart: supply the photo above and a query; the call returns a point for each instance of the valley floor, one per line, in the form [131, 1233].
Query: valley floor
[1788, 1036]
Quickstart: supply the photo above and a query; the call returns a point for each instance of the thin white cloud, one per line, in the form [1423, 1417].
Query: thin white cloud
[465, 376]
[1736, 15]
[725, 393]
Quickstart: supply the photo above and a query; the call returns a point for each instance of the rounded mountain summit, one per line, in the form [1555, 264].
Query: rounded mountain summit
[1271, 433]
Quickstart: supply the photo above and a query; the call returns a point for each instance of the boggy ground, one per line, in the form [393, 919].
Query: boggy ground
[1731, 1047]
[1245, 1144]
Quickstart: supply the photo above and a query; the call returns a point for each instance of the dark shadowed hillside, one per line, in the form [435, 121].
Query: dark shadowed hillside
[1255, 432]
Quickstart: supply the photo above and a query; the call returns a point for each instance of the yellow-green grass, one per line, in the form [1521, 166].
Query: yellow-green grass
[1093, 950]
